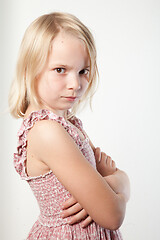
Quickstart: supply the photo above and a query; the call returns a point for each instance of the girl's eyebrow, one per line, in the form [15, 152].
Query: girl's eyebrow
[87, 66]
[58, 64]
[66, 66]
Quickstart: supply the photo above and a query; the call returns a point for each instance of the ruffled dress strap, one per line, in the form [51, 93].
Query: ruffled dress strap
[20, 156]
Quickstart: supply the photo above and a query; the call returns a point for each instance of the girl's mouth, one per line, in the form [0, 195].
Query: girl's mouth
[70, 98]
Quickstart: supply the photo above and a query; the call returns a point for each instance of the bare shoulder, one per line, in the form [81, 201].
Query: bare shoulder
[46, 134]
[42, 133]
[45, 128]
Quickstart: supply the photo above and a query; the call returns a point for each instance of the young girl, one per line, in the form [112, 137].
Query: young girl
[80, 192]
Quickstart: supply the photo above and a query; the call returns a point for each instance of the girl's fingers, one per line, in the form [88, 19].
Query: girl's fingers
[109, 161]
[104, 163]
[113, 164]
[71, 210]
[97, 154]
[103, 158]
[86, 222]
[78, 217]
[70, 202]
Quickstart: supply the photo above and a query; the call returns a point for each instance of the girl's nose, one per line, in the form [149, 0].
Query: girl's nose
[74, 82]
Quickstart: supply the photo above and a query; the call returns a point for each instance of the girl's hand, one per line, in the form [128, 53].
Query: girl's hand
[104, 163]
[71, 208]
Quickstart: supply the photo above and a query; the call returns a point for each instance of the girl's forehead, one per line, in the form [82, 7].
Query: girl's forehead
[67, 48]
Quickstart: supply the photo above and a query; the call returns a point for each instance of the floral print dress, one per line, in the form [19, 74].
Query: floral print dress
[50, 193]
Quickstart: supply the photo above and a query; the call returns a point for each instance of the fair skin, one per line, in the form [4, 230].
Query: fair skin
[117, 180]
[99, 195]
[65, 77]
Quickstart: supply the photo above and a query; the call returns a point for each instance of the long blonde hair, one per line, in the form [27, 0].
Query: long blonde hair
[33, 54]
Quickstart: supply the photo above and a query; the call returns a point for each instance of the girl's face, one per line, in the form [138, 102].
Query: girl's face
[65, 76]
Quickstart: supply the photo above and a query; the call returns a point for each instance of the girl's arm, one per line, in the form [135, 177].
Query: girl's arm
[53, 146]
[117, 180]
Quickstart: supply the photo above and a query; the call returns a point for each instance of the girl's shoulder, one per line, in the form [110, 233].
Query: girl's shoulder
[34, 122]
[42, 114]
[42, 126]
[45, 114]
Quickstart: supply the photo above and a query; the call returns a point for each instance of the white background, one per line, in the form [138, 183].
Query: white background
[126, 114]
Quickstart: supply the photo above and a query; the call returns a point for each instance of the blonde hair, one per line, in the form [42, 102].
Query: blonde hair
[33, 54]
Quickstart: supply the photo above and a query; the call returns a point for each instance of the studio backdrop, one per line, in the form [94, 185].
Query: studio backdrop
[125, 120]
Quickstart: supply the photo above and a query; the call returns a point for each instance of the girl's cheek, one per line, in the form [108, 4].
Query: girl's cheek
[85, 86]
[55, 81]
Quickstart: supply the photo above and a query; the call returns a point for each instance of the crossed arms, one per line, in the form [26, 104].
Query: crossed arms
[100, 194]
[117, 180]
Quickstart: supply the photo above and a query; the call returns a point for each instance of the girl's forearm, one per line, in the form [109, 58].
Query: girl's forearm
[119, 182]
[116, 182]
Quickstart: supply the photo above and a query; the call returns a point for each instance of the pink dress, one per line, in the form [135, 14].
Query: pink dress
[50, 193]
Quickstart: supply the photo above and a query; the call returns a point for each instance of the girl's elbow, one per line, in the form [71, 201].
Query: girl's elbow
[113, 223]
[117, 216]
[116, 224]
[115, 220]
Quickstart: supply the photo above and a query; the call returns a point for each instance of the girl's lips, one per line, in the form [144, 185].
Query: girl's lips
[71, 99]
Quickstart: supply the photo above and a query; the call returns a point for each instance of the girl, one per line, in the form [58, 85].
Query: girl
[80, 192]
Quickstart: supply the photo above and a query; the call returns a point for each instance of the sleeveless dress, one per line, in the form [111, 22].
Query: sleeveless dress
[50, 193]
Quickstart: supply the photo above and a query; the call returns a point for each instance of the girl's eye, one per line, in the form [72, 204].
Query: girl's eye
[60, 70]
[84, 72]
